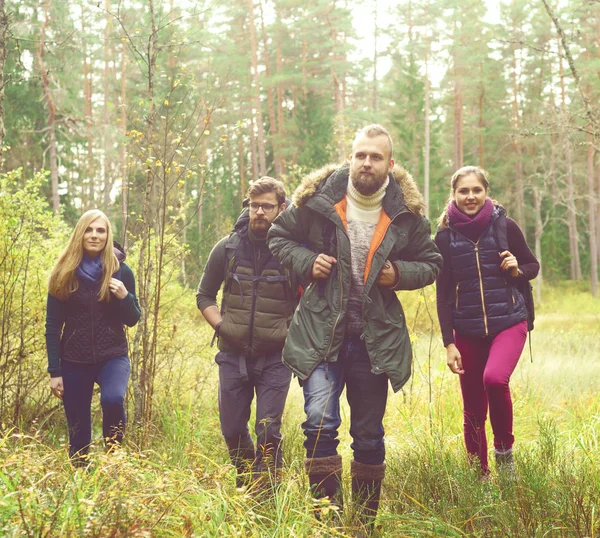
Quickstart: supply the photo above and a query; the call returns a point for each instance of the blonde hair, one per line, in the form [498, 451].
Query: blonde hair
[479, 173]
[372, 131]
[63, 280]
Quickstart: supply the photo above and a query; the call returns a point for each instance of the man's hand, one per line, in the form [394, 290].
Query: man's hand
[387, 276]
[322, 266]
[56, 386]
[453, 359]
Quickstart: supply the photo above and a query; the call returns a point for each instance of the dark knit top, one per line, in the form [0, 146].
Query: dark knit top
[93, 341]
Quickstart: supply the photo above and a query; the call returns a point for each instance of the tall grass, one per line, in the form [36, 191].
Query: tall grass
[181, 483]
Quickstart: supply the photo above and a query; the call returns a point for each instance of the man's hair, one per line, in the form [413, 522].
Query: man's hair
[372, 131]
[266, 185]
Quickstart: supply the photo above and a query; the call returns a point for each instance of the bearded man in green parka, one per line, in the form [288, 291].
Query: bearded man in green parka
[357, 234]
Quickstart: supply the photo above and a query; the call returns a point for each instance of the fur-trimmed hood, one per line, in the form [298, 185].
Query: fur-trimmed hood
[317, 179]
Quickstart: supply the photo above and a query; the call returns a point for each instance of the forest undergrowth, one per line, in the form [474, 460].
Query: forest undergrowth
[179, 481]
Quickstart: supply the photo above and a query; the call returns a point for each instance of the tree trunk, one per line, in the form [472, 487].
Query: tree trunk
[338, 98]
[427, 150]
[51, 127]
[143, 356]
[254, 150]
[257, 112]
[270, 100]
[539, 230]
[575, 263]
[108, 177]
[592, 216]
[242, 166]
[124, 171]
[517, 150]
[280, 118]
[375, 34]
[87, 191]
[3, 37]
[458, 124]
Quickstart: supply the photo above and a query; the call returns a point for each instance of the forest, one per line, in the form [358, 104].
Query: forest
[162, 112]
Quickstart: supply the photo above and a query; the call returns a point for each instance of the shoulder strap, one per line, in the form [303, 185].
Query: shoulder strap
[231, 246]
[501, 233]
[525, 287]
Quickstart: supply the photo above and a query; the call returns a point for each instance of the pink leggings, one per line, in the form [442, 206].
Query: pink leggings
[488, 363]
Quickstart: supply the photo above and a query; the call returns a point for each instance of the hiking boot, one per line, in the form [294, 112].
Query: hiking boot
[366, 492]
[325, 478]
[505, 464]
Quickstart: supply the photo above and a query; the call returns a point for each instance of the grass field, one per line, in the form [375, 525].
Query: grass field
[181, 483]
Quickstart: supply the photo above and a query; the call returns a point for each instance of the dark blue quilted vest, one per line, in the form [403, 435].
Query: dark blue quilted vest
[93, 329]
[485, 302]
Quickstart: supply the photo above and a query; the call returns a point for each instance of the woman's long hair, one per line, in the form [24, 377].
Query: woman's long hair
[482, 176]
[63, 280]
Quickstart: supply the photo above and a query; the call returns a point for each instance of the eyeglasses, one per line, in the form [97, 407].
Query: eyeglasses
[267, 208]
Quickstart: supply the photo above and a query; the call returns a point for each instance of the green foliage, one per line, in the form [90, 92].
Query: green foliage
[30, 240]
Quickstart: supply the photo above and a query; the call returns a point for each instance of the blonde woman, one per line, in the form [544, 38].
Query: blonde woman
[91, 297]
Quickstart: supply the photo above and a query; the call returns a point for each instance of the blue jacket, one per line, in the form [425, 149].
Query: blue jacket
[486, 301]
[85, 330]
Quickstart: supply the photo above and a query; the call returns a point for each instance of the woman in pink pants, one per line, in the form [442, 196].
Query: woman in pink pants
[482, 313]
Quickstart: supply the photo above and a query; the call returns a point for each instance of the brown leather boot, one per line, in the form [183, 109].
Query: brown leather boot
[325, 477]
[366, 492]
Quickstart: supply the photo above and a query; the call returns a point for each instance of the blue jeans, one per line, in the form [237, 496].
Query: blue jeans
[78, 381]
[366, 394]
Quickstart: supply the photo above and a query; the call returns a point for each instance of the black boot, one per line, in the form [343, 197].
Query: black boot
[366, 491]
[325, 477]
[241, 452]
[267, 467]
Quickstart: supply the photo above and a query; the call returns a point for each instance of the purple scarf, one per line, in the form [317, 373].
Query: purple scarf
[471, 227]
[90, 270]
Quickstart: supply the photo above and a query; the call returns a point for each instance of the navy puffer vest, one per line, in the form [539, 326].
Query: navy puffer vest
[93, 329]
[485, 302]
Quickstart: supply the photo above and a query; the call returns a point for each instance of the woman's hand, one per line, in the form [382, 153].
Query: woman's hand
[118, 288]
[56, 386]
[453, 359]
[509, 263]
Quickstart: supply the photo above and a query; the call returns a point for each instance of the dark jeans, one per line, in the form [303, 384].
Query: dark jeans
[78, 380]
[366, 394]
[239, 379]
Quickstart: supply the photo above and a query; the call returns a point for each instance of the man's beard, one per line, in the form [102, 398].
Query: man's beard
[367, 184]
[260, 227]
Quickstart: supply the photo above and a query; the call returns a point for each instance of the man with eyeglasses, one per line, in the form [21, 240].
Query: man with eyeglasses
[259, 298]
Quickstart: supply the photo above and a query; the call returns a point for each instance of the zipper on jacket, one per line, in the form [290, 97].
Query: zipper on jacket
[339, 271]
[485, 322]
[254, 295]
[456, 302]
[92, 319]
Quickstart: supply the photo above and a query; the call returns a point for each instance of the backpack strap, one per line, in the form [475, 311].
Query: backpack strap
[501, 233]
[502, 237]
